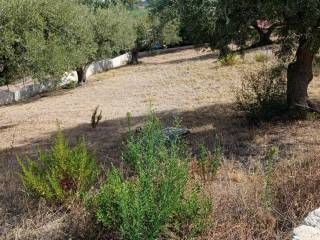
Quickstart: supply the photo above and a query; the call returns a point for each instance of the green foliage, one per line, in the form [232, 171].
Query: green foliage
[108, 3]
[114, 31]
[229, 59]
[261, 57]
[151, 32]
[43, 39]
[154, 200]
[60, 173]
[263, 94]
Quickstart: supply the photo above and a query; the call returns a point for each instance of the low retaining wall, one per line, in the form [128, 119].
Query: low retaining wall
[27, 91]
[104, 65]
[168, 50]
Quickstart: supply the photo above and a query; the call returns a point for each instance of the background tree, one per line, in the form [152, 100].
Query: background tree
[108, 3]
[152, 32]
[114, 33]
[43, 39]
[221, 22]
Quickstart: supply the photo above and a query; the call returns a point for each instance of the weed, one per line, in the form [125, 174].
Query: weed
[61, 172]
[209, 163]
[96, 118]
[267, 196]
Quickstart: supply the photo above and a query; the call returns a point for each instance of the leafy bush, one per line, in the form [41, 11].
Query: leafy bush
[263, 94]
[60, 173]
[229, 59]
[261, 57]
[154, 201]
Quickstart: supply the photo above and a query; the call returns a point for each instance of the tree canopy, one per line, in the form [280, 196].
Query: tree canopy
[296, 26]
[43, 39]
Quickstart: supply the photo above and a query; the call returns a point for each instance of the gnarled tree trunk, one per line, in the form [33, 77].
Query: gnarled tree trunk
[134, 56]
[81, 72]
[299, 76]
[264, 36]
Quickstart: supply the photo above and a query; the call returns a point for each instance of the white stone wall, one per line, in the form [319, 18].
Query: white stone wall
[7, 96]
[27, 91]
[310, 228]
[104, 65]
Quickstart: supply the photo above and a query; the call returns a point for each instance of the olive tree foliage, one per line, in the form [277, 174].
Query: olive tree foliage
[201, 16]
[108, 3]
[153, 32]
[298, 31]
[113, 33]
[43, 39]
[297, 23]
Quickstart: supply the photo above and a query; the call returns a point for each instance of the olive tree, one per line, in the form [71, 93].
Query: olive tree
[221, 22]
[43, 39]
[113, 33]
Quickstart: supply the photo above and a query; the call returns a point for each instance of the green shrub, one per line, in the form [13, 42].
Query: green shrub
[154, 200]
[263, 94]
[261, 57]
[61, 172]
[229, 59]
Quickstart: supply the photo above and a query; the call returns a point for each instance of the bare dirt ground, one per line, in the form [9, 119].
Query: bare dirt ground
[190, 84]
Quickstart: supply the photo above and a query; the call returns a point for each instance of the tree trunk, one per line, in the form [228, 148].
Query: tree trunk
[264, 38]
[134, 56]
[299, 76]
[81, 72]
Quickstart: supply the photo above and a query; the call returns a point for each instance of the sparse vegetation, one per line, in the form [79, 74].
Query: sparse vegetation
[261, 57]
[60, 174]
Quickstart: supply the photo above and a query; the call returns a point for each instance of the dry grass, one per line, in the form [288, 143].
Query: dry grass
[190, 84]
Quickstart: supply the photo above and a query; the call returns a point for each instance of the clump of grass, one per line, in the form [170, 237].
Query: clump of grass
[229, 59]
[267, 193]
[262, 94]
[61, 173]
[155, 200]
[261, 57]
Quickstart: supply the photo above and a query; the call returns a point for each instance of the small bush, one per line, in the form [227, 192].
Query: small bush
[263, 94]
[61, 172]
[155, 201]
[229, 60]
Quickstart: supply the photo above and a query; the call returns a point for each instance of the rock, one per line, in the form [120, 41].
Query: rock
[172, 133]
[310, 227]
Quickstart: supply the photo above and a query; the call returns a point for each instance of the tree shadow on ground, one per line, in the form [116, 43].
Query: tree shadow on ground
[213, 56]
[241, 142]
